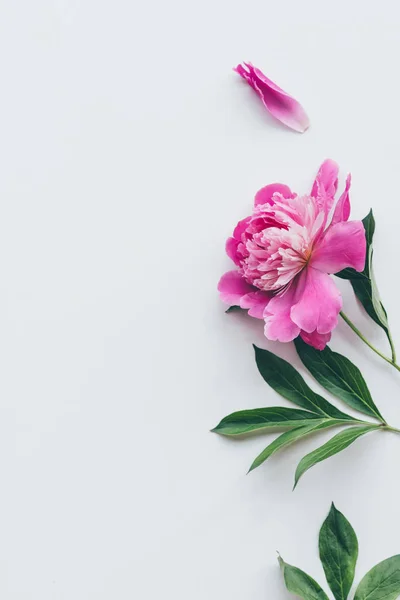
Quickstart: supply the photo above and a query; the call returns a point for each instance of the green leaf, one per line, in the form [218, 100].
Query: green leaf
[363, 284]
[338, 443]
[338, 375]
[351, 274]
[338, 551]
[382, 582]
[369, 226]
[301, 584]
[233, 309]
[290, 437]
[285, 380]
[245, 421]
[376, 301]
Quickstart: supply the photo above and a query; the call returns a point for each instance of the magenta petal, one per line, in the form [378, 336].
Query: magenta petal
[342, 208]
[343, 245]
[232, 287]
[278, 102]
[255, 302]
[315, 339]
[231, 250]
[319, 304]
[264, 196]
[278, 324]
[241, 228]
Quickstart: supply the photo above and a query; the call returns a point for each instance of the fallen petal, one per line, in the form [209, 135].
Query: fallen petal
[278, 102]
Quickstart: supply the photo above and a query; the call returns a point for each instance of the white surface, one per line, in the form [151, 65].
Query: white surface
[128, 152]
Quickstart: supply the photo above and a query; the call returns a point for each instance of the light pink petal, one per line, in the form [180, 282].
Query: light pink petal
[255, 302]
[280, 328]
[315, 339]
[232, 287]
[342, 208]
[325, 186]
[264, 196]
[278, 324]
[343, 245]
[326, 179]
[278, 102]
[319, 302]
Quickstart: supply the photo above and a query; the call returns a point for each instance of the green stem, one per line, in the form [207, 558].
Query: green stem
[392, 348]
[388, 428]
[391, 361]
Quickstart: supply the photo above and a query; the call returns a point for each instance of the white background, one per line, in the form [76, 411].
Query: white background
[129, 150]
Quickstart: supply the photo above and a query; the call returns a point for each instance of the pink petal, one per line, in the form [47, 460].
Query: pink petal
[241, 228]
[232, 243]
[231, 250]
[256, 303]
[319, 304]
[232, 287]
[264, 196]
[315, 339]
[326, 180]
[278, 324]
[343, 245]
[342, 208]
[324, 188]
[278, 102]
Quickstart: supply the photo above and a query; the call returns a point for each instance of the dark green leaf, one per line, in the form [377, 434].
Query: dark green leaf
[285, 380]
[301, 584]
[233, 309]
[363, 284]
[376, 301]
[338, 375]
[369, 226]
[338, 551]
[363, 291]
[245, 421]
[351, 274]
[290, 437]
[382, 582]
[338, 443]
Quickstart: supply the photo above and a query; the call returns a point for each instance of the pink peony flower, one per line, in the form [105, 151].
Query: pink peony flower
[284, 253]
[278, 102]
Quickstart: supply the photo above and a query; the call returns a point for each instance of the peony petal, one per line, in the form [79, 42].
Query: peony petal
[342, 208]
[319, 302]
[255, 302]
[241, 228]
[232, 287]
[343, 245]
[278, 324]
[278, 102]
[315, 339]
[264, 196]
[325, 186]
[231, 250]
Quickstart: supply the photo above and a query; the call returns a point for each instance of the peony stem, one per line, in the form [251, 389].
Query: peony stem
[388, 428]
[391, 361]
[392, 348]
